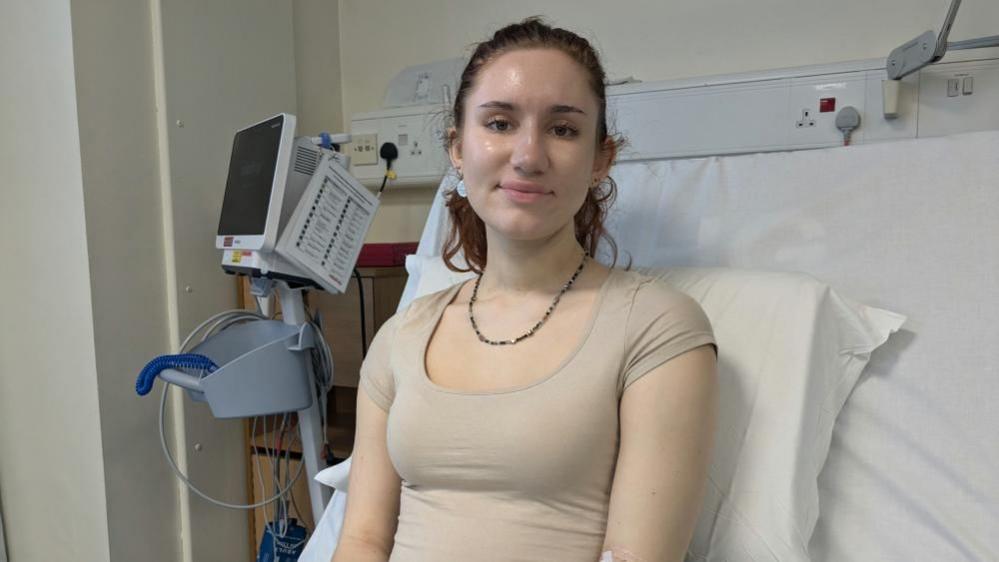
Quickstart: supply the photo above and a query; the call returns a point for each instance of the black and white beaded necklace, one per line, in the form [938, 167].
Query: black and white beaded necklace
[533, 330]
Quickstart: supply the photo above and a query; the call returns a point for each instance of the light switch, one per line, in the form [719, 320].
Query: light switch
[967, 85]
[952, 87]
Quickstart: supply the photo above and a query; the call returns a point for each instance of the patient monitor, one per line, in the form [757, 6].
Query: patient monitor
[255, 185]
[292, 218]
[291, 211]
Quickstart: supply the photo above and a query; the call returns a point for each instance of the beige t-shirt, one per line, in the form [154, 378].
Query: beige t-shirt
[521, 474]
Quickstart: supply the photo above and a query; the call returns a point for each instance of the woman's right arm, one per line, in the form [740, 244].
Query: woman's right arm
[373, 492]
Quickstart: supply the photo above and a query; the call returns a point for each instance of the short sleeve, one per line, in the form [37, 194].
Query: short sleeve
[377, 376]
[663, 322]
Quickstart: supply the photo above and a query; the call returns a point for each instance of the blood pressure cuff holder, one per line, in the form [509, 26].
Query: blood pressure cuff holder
[262, 370]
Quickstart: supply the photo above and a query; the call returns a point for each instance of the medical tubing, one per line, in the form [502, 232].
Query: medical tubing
[194, 361]
[263, 489]
[193, 488]
[283, 505]
[220, 320]
[236, 317]
[277, 536]
[323, 372]
[144, 384]
[234, 313]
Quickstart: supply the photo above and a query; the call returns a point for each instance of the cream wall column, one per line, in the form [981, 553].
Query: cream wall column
[112, 45]
[51, 462]
[117, 122]
[221, 66]
[317, 67]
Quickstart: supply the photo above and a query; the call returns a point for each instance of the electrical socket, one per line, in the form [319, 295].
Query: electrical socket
[364, 149]
[806, 119]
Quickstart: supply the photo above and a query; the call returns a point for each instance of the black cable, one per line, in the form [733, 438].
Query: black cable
[364, 328]
[390, 152]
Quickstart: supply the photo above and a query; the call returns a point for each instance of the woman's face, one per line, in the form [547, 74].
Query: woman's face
[527, 147]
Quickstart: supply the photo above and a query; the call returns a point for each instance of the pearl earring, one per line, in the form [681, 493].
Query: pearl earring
[460, 188]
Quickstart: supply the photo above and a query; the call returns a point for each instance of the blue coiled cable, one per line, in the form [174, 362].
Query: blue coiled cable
[182, 361]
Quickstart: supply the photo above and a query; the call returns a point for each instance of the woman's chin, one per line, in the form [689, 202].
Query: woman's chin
[524, 232]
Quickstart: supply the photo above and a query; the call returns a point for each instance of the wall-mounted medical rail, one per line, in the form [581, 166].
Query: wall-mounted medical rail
[929, 48]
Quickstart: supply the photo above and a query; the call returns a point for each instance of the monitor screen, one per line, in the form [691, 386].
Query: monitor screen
[251, 177]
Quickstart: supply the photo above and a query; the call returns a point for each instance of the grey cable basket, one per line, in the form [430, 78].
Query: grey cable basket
[263, 369]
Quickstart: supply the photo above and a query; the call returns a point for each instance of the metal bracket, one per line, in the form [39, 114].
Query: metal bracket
[929, 48]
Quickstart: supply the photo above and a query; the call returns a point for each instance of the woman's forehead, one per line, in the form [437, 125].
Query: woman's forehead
[534, 77]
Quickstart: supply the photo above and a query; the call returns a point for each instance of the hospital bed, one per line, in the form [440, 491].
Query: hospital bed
[894, 238]
[907, 227]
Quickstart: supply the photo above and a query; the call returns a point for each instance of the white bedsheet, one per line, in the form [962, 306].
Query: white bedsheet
[910, 226]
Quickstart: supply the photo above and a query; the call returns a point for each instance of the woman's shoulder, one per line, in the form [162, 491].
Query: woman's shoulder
[437, 298]
[427, 305]
[647, 283]
[648, 290]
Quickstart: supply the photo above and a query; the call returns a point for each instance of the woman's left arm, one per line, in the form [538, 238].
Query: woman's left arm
[667, 422]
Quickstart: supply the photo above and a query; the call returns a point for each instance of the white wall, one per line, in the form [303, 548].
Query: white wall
[647, 40]
[51, 465]
[108, 258]
[222, 65]
[317, 67]
[112, 44]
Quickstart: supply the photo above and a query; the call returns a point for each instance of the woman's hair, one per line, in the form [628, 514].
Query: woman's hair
[468, 232]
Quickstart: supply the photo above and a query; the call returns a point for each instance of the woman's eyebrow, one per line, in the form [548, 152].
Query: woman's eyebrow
[560, 108]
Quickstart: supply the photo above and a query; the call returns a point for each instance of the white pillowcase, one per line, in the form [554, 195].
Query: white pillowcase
[790, 352]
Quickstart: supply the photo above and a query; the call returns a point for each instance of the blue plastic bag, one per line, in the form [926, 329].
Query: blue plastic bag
[278, 546]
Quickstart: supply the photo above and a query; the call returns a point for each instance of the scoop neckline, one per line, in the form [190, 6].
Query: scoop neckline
[439, 314]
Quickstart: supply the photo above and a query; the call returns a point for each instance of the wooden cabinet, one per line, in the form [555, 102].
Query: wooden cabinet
[382, 288]
[342, 327]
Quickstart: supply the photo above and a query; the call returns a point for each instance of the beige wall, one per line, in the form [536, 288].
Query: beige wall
[647, 40]
[112, 44]
[317, 67]
[51, 465]
[109, 258]
[223, 65]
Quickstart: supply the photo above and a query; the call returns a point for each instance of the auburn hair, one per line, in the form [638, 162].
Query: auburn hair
[468, 233]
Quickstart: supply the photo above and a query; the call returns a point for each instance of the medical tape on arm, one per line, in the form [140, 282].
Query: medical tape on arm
[618, 554]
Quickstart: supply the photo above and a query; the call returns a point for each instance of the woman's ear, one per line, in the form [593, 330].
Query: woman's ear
[605, 158]
[454, 148]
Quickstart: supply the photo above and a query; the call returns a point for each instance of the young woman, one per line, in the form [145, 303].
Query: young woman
[551, 409]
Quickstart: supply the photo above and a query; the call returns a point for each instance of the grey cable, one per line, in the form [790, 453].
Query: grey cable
[193, 488]
[227, 318]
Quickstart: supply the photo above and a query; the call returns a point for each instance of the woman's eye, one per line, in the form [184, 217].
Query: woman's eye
[564, 131]
[498, 125]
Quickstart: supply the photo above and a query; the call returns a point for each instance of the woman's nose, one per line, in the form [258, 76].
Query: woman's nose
[529, 154]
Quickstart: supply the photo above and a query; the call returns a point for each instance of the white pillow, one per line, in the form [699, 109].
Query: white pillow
[432, 275]
[790, 351]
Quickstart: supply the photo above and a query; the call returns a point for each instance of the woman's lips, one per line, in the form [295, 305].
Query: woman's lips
[523, 192]
[518, 196]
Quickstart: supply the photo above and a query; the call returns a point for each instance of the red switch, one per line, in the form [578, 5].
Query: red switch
[827, 104]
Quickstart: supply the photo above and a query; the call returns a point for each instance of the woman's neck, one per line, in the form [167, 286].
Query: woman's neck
[537, 266]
